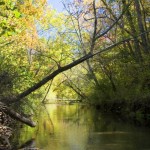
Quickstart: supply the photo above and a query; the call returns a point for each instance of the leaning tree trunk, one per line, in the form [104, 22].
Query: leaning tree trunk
[9, 100]
[16, 115]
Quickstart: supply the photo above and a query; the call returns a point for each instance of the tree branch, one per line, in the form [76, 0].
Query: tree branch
[16, 115]
[60, 70]
[116, 21]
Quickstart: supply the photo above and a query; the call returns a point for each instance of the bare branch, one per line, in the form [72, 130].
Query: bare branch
[105, 32]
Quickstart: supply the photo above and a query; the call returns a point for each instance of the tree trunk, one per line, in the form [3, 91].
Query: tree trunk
[92, 73]
[134, 33]
[141, 26]
[16, 115]
[75, 88]
[9, 100]
[108, 73]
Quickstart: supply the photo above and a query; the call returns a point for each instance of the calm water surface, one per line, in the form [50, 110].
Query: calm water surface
[76, 127]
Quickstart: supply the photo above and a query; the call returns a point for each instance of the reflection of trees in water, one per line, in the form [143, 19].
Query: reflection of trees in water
[78, 126]
[72, 115]
[24, 146]
[44, 124]
[28, 144]
[76, 114]
[50, 123]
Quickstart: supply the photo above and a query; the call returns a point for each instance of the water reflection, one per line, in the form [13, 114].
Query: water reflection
[28, 144]
[74, 127]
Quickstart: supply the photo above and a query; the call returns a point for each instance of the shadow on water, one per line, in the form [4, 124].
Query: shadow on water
[28, 144]
[77, 127]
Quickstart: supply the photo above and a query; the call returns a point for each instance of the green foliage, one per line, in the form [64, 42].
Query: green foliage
[36, 40]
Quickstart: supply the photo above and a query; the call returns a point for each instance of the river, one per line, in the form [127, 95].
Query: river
[78, 127]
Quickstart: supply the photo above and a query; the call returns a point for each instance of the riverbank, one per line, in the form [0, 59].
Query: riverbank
[137, 111]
